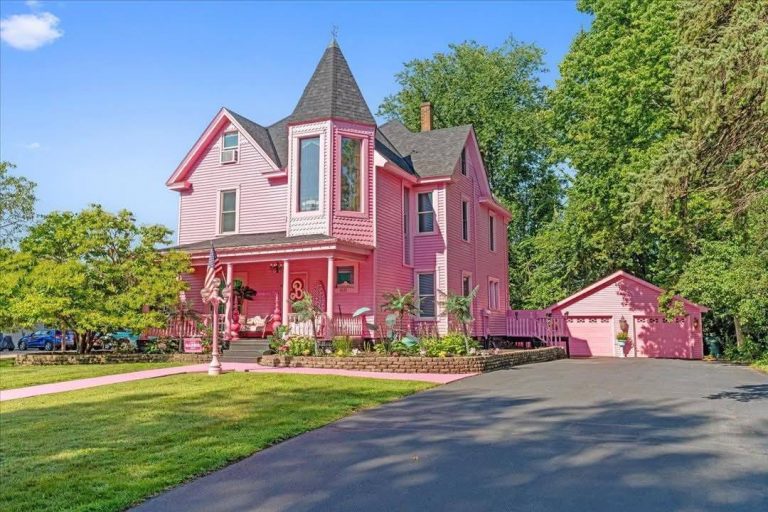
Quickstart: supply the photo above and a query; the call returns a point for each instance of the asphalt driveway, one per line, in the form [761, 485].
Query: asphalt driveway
[575, 435]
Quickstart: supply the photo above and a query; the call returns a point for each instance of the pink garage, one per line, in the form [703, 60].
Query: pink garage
[593, 316]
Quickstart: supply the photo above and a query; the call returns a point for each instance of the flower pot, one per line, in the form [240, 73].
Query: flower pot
[621, 342]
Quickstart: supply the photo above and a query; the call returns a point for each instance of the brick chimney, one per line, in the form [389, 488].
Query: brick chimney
[426, 116]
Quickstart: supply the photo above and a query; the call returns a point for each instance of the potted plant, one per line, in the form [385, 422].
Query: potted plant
[621, 338]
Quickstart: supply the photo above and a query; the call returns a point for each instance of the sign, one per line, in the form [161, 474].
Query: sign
[193, 345]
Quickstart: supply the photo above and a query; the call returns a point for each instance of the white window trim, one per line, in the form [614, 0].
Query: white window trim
[320, 136]
[237, 149]
[418, 215]
[219, 194]
[355, 273]
[491, 281]
[418, 292]
[465, 200]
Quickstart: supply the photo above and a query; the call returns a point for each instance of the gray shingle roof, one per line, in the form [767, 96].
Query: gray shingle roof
[431, 154]
[260, 134]
[332, 92]
[251, 240]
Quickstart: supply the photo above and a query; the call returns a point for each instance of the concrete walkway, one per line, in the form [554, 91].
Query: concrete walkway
[597, 435]
[72, 385]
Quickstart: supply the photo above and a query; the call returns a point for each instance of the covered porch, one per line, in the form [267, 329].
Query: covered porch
[280, 270]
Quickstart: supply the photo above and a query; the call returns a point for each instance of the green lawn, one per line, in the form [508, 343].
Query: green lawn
[106, 448]
[20, 376]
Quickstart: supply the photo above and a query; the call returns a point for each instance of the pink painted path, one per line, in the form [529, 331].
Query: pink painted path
[72, 385]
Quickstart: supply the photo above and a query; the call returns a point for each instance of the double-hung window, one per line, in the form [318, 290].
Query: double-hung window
[492, 231]
[493, 294]
[407, 226]
[351, 179]
[230, 142]
[309, 174]
[426, 289]
[465, 220]
[426, 213]
[228, 211]
[466, 284]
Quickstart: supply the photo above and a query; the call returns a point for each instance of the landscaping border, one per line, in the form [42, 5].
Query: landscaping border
[43, 359]
[471, 364]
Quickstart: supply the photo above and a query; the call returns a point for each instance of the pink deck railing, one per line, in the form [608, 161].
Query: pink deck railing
[548, 328]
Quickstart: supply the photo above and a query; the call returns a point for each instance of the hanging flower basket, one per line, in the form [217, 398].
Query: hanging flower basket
[621, 338]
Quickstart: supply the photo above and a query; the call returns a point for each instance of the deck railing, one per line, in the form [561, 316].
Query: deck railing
[549, 328]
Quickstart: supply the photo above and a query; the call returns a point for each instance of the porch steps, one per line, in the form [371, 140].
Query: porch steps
[245, 351]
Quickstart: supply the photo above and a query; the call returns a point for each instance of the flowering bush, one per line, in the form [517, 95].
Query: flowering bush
[298, 346]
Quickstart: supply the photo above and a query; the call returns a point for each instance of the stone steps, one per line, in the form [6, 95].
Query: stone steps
[245, 351]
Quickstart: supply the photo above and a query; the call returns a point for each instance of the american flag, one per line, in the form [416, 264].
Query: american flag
[214, 268]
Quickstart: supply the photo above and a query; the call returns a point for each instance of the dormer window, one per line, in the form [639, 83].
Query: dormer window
[230, 143]
[309, 175]
[351, 179]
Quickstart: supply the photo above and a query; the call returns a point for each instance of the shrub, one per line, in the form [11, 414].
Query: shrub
[162, 345]
[342, 345]
[278, 336]
[298, 346]
[452, 344]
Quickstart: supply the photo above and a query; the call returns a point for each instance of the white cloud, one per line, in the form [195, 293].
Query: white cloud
[32, 4]
[33, 146]
[30, 31]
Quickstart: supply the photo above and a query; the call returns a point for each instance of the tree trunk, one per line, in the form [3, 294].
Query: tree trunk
[739, 333]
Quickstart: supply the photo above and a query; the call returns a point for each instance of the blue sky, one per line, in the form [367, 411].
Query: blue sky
[99, 101]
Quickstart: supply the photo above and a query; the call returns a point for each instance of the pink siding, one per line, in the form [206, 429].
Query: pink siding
[636, 303]
[262, 204]
[475, 256]
[352, 225]
[391, 273]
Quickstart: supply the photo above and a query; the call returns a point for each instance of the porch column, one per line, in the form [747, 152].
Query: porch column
[286, 292]
[228, 307]
[329, 289]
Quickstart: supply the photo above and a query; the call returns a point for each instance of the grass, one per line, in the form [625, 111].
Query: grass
[20, 376]
[106, 448]
[761, 364]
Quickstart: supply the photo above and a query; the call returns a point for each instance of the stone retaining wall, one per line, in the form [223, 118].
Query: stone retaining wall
[108, 358]
[474, 364]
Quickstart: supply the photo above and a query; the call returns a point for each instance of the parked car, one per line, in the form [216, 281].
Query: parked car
[110, 340]
[47, 339]
[6, 342]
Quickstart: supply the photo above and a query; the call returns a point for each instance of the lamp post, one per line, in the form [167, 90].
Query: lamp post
[214, 297]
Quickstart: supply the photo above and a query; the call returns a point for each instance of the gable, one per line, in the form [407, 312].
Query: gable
[215, 128]
[622, 287]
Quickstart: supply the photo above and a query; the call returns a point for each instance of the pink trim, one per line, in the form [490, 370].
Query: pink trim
[340, 134]
[616, 275]
[207, 137]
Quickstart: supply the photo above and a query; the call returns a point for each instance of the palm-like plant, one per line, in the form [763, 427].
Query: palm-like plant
[400, 306]
[460, 308]
[306, 310]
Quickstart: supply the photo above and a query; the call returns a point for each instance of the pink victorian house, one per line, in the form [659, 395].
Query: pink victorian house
[328, 201]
